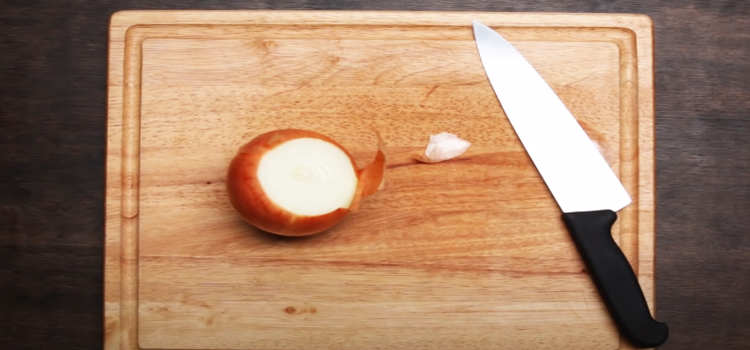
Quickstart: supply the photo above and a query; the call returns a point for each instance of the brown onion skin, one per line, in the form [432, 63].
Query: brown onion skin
[371, 176]
[250, 201]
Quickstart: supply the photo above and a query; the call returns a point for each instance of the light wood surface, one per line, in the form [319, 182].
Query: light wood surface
[467, 254]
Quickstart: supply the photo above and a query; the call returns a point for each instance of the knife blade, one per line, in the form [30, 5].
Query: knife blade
[581, 181]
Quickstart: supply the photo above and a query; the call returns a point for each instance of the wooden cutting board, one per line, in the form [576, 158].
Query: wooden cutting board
[466, 254]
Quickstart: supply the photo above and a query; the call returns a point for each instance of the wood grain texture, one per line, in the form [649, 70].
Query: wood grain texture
[468, 254]
[53, 70]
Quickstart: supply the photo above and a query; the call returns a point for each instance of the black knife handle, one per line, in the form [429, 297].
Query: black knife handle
[614, 277]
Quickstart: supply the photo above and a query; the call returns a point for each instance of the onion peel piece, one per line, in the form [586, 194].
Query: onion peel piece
[442, 147]
[373, 174]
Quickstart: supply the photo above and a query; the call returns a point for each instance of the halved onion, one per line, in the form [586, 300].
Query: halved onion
[295, 182]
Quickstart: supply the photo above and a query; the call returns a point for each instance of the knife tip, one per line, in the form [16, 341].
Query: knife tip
[479, 26]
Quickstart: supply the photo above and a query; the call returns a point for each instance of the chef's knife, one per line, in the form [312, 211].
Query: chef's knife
[579, 178]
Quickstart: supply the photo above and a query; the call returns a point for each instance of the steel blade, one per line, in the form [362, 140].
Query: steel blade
[575, 172]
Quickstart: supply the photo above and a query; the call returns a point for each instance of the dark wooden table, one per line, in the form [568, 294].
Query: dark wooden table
[53, 61]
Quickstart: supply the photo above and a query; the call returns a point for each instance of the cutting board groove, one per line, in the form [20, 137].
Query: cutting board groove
[466, 254]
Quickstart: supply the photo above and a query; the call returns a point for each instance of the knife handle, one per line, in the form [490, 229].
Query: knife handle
[614, 277]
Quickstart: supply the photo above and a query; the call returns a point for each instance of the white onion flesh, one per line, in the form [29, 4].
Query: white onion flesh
[308, 176]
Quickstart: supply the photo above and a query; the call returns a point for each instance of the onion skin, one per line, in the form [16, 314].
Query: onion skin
[249, 199]
[371, 176]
